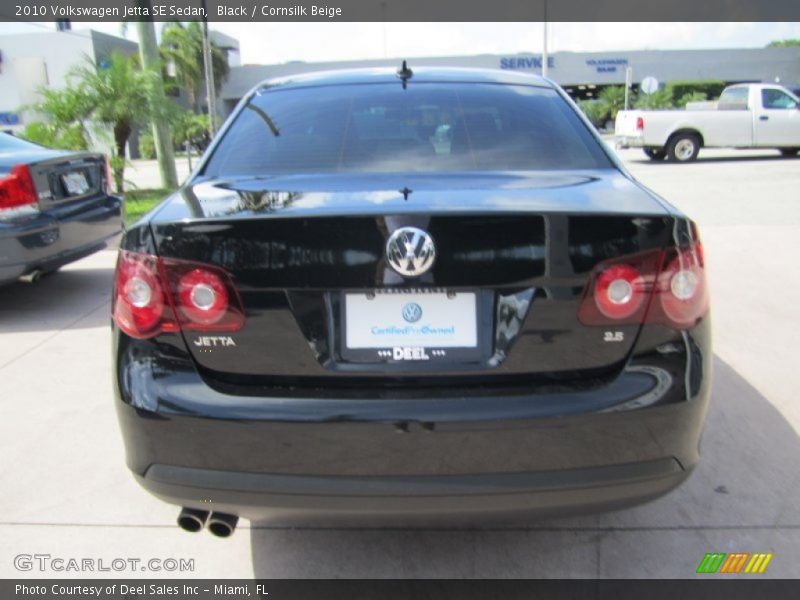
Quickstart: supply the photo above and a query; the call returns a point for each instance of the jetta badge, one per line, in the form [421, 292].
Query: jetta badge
[410, 251]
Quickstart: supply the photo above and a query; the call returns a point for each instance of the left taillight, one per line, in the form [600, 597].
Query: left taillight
[16, 188]
[203, 296]
[141, 307]
[153, 295]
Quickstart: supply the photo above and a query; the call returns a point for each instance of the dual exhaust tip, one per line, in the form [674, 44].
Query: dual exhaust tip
[219, 524]
[32, 277]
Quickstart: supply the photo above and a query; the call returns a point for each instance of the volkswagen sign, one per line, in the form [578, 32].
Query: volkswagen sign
[410, 251]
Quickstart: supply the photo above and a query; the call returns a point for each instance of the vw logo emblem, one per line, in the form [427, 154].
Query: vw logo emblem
[412, 312]
[410, 251]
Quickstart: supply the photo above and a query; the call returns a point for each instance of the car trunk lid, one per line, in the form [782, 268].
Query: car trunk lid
[513, 255]
[61, 179]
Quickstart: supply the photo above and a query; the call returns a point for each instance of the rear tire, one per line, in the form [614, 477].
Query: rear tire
[683, 147]
[655, 153]
[789, 152]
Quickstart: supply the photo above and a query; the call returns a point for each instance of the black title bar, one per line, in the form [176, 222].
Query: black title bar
[401, 10]
[389, 589]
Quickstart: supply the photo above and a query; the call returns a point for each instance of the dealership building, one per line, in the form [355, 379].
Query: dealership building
[39, 60]
[31, 61]
[582, 74]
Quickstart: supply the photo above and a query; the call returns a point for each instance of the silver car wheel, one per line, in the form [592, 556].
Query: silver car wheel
[684, 149]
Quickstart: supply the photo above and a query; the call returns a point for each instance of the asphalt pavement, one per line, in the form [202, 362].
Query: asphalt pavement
[65, 491]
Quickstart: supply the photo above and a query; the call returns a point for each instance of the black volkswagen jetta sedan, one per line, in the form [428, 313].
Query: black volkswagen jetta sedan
[409, 296]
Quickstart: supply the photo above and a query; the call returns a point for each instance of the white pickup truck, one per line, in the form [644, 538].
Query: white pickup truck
[745, 116]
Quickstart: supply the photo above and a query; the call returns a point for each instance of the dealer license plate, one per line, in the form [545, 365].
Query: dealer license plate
[409, 325]
[75, 183]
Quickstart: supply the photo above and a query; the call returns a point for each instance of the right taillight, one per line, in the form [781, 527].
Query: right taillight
[639, 123]
[682, 290]
[16, 188]
[666, 287]
[153, 295]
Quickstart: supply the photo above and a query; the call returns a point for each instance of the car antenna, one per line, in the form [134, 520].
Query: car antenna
[404, 73]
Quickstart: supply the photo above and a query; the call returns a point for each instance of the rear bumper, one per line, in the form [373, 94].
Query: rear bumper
[431, 457]
[624, 141]
[461, 499]
[51, 239]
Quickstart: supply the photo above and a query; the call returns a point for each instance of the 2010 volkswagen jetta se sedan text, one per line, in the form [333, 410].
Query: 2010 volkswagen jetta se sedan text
[408, 296]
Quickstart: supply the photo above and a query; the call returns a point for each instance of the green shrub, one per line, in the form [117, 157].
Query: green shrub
[690, 97]
[64, 137]
[147, 147]
[661, 99]
[192, 128]
[710, 88]
[614, 97]
[597, 111]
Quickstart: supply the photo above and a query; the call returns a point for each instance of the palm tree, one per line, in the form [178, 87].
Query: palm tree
[121, 96]
[182, 46]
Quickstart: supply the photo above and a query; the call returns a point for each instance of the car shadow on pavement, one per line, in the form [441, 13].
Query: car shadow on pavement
[741, 498]
[713, 159]
[69, 298]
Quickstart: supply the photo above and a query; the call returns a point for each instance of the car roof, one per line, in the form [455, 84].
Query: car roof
[419, 74]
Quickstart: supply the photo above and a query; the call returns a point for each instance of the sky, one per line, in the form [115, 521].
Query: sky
[269, 43]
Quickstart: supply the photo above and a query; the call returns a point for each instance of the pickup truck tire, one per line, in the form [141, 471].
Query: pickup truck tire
[655, 153]
[789, 151]
[683, 147]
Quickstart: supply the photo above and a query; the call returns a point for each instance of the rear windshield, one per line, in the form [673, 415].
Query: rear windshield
[426, 127]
